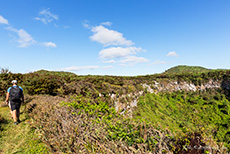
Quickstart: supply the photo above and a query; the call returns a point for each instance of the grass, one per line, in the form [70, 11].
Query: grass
[21, 138]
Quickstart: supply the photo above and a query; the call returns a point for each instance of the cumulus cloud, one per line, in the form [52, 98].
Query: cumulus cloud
[172, 54]
[109, 61]
[121, 49]
[78, 68]
[24, 39]
[158, 62]
[109, 37]
[3, 20]
[107, 67]
[106, 23]
[118, 52]
[133, 60]
[46, 16]
[49, 44]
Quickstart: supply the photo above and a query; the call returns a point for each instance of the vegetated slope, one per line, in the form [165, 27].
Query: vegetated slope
[64, 83]
[88, 123]
[186, 69]
[183, 113]
[56, 73]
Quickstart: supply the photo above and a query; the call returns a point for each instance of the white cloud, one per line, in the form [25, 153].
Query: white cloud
[49, 44]
[108, 37]
[3, 20]
[46, 16]
[41, 19]
[133, 59]
[86, 24]
[77, 68]
[109, 61]
[107, 67]
[172, 54]
[24, 39]
[118, 52]
[158, 62]
[106, 23]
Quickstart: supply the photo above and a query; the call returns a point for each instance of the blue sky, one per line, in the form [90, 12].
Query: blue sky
[113, 37]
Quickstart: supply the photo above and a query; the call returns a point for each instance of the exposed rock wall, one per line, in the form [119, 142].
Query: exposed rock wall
[125, 103]
[175, 86]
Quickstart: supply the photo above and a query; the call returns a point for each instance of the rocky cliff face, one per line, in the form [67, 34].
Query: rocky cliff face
[125, 103]
[175, 86]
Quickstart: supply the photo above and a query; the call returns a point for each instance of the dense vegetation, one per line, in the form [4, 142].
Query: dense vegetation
[74, 114]
[1, 121]
[186, 69]
[64, 83]
[86, 125]
[186, 112]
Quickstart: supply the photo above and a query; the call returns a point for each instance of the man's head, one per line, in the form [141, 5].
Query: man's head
[14, 82]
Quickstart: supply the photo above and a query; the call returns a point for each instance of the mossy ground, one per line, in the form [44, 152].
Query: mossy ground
[21, 138]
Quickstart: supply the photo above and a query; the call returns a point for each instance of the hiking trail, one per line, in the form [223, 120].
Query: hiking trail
[15, 139]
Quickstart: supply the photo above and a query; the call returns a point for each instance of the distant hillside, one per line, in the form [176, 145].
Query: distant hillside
[58, 73]
[186, 69]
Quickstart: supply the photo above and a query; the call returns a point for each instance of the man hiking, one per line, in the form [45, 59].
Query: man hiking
[16, 96]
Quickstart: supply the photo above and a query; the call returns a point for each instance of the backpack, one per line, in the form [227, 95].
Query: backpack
[15, 93]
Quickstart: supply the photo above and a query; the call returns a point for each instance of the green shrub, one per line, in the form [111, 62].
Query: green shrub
[86, 125]
[180, 112]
